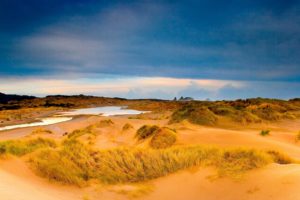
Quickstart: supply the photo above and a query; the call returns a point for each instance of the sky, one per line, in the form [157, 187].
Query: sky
[151, 49]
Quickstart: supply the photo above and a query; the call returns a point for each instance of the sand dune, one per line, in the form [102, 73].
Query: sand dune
[19, 183]
[275, 182]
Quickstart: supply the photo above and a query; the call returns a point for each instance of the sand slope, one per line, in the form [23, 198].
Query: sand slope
[19, 183]
[275, 182]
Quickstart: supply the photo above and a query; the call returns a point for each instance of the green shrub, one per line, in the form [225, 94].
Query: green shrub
[146, 131]
[163, 138]
[265, 132]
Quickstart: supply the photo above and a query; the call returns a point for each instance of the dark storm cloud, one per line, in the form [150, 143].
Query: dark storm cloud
[222, 40]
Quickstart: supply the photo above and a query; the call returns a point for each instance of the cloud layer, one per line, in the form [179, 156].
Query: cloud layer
[154, 87]
[250, 41]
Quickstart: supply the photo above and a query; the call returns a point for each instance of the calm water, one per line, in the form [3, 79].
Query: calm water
[44, 121]
[104, 111]
[66, 116]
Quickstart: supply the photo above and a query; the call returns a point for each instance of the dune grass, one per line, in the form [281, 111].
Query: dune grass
[39, 131]
[163, 138]
[76, 163]
[195, 114]
[127, 126]
[104, 122]
[297, 137]
[265, 132]
[280, 158]
[89, 130]
[25, 146]
[146, 131]
[73, 162]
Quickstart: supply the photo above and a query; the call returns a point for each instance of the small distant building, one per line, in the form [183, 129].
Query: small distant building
[185, 99]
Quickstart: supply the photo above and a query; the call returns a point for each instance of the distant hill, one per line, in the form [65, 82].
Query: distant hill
[5, 98]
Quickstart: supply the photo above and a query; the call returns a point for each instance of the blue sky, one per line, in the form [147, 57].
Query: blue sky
[151, 49]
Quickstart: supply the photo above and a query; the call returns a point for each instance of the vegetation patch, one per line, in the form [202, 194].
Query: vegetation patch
[146, 131]
[265, 132]
[298, 136]
[89, 130]
[103, 123]
[195, 114]
[76, 163]
[73, 163]
[25, 146]
[279, 157]
[41, 131]
[127, 126]
[163, 138]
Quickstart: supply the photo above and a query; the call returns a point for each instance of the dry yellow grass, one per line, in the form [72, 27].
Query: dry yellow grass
[73, 162]
[76, 163]
[163, 138]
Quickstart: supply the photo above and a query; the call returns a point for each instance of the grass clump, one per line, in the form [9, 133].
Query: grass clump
[103, 123]
[265, 132]
[235, 162]
[25, 146]
[195, 114]
[127, 126]
[298, 136]
[146, 131]
[79, 132]
[163, 138]
[41, 131]
[71, 164]
[279, 157]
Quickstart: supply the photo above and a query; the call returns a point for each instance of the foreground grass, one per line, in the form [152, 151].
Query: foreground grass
[75, 163]
[72, 162]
